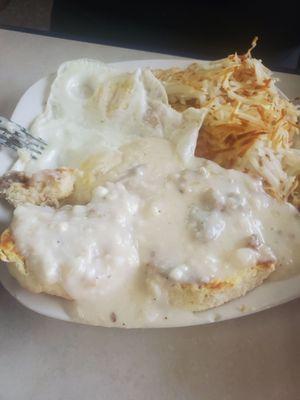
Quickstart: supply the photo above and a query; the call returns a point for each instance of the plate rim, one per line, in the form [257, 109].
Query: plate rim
[35, 302]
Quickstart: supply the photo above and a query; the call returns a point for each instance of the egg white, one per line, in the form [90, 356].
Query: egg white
[93, 107]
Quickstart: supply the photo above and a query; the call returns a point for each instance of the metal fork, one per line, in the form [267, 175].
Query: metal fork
[16, 137]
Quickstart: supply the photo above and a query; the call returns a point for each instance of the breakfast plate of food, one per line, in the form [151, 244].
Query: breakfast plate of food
[167, 194]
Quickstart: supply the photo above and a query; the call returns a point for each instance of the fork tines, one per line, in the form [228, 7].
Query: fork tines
[16, 137]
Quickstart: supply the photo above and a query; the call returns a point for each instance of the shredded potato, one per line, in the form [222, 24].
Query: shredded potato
[250, 124]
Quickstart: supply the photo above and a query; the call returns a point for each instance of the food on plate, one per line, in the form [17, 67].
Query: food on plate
[46, 187]
[119, 216]
[250, 125]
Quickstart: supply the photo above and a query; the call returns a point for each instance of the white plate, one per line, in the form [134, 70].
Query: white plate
[277, 290]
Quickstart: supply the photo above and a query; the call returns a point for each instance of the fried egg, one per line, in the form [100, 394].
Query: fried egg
[94, 108]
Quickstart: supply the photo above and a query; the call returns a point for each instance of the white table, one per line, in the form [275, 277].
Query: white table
[251, 358]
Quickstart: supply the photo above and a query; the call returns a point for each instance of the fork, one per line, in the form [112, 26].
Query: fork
[14, 136]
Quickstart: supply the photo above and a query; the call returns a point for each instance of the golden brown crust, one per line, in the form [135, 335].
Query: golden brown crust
[200, 297]
[47, 187]
[8, 249]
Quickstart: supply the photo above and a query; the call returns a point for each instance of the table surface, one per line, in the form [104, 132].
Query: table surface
[254, 357]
